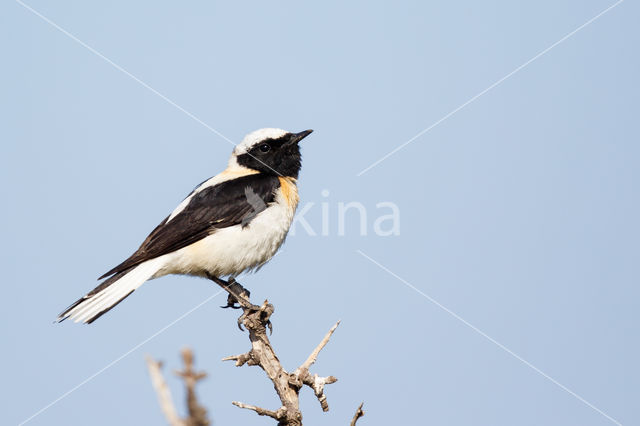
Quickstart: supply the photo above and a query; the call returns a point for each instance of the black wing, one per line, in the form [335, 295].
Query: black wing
[233, 202]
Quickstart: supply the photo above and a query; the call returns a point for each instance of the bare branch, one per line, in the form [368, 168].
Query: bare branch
[359, 413]
[163, 392]
[256, 319]
[315, 382]
[314, 355]
[197, 413]
[241, 359]
[278, 415]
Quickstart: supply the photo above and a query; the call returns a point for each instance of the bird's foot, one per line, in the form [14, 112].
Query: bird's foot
[236, 294]
[238, 298]
[254, 315]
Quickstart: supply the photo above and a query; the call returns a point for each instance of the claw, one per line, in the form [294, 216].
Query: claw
[240, 321]
[238, 294]
[231, 303]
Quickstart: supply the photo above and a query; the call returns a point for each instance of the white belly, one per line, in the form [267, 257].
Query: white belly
[232, 250]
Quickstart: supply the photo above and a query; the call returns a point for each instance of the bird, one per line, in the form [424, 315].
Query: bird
[231, 223]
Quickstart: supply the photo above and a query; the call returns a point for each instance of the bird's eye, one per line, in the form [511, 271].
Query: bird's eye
[265, 147]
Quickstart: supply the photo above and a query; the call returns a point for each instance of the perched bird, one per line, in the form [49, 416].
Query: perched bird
[231, 223]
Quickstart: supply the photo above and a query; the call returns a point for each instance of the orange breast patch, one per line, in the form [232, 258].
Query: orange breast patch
[289, 191]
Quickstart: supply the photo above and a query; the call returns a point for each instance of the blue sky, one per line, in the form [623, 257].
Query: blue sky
[509, 295]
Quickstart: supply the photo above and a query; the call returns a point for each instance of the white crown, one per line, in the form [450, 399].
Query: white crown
[257, 136]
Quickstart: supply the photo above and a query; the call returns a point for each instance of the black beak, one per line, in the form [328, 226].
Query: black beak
[297, 137]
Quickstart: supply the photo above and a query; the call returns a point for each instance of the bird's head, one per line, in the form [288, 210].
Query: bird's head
[271, 151]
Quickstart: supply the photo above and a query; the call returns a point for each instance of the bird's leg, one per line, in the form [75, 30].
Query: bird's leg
[235, 291]
[237, 294]
[238, 298]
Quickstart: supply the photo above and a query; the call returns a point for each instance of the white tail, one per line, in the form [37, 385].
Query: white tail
[91, 306]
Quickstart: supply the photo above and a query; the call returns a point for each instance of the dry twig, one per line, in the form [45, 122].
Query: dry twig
[163, 392]
[359, 413]
[197, 413]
